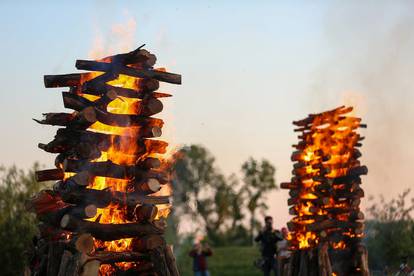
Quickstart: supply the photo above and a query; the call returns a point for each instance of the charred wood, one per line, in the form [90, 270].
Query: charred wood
[129, 71]
[109, 232]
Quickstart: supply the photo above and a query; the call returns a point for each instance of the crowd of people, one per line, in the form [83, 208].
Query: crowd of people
[274, 251]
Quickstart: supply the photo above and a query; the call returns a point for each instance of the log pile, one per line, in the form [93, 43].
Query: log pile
[325, 195]
[106, 212]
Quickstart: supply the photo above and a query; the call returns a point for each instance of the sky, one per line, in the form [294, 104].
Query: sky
[249, 69]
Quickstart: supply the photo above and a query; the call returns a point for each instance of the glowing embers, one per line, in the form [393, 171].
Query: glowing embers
[325, 190]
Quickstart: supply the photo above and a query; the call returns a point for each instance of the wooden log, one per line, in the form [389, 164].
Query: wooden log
[171, 261]
[322, 225]
[144, 89]
[77, 120]
[82, 178]
[67, 139]
[107, 257]
[148, 107]
[102, 198]
[63, 80]
[53, 217]
[75, 102]
[318, 201]
[150, 163]
[51, 233]
[44, 201]
[107, 139]
[48, 175]
[157, 257]
[288, 185]
[147, 243]
[78, 103]
[145, 212]
[109, 232]
[129, 71]
[56, 118]
[361, 256]
[125, 120]
[110, 169]
[83, 243]
[149, 186]
[303, 266]
[310, 119]
[325, 268]
[353, 175]
[358, 193]
[139, 56]
[304, 172]
[54, 257]
[66, 261]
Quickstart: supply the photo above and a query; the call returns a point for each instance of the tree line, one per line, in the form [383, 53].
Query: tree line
[227, 209]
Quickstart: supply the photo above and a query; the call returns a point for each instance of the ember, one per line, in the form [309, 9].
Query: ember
[325, 193]
[112, 177]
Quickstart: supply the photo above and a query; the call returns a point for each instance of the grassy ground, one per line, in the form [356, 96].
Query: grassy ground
[226, 261]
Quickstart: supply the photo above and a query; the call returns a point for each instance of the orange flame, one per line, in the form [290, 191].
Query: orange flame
[122, 154]
[328, 152]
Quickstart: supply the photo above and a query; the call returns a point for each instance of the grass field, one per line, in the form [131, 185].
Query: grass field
[226, 261]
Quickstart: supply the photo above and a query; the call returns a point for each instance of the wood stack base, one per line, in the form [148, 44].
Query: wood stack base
[321, 261]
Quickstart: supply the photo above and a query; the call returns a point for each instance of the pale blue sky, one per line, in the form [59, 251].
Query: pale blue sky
[249, 68]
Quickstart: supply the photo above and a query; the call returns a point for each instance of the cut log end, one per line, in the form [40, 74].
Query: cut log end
[83, 178]
[84, 243]
[64, 222]
[90, 211]
[156, 132]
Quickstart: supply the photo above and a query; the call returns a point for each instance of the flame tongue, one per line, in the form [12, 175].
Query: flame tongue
[325, 190]
[126, 151]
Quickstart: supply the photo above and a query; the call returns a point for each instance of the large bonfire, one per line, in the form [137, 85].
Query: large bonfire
[107, 209]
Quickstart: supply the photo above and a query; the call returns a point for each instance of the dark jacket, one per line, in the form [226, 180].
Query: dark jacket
[200, 260]
[268, 240]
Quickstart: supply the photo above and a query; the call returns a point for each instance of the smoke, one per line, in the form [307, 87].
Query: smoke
[370, 66]
[119, 38]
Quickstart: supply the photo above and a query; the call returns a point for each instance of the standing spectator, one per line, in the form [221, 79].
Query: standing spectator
[268, 238]
[283, 252]
[199, 253]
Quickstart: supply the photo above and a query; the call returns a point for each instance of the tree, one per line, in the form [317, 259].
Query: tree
[202, 192]
[259, 180]
[17, 226]
[390, 231]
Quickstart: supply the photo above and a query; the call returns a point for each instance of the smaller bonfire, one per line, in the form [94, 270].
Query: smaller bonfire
[325, 195]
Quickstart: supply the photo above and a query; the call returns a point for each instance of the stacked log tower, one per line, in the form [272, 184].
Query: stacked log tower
[325, 195]
[105, 214]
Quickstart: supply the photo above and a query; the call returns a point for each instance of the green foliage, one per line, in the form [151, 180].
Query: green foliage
[210, 198]
[390, 232]
[259, 179]
[218, 204]
[17, 226]
[226, 261]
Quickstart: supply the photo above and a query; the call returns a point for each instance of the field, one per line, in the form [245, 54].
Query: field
[226, 261]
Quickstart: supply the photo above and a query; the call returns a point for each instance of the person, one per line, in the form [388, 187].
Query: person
[199, 253]
[268, 238]
[283, 252]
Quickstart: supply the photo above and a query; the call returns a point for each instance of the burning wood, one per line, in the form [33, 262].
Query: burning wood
[326, 230]
[102, 216]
